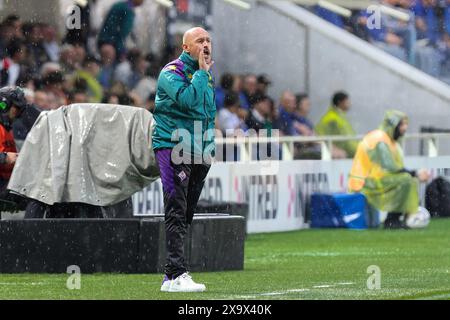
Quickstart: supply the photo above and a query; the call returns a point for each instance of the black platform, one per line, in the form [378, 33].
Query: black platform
[215, 242]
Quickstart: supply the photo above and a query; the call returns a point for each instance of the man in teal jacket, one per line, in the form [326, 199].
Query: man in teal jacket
[183, 140]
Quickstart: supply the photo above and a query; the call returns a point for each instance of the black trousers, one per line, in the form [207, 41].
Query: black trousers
[182, 186]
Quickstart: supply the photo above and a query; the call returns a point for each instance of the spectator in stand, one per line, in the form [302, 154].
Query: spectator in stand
[80, 55]
[67, 59]
[426, 19]
[302, 124]
[229, 117]
[10, 28]
[335, 123]
[446, 43]
[124, 70]
[230, 121]
[49, 67]
[447, 18]
[445, 71]
[108, 65]
[274, 115]
[138, 71]
[238, 87]
[16, 23]
[50, 42]
[263, 84]
[26, 81]
[37, 55]
[226, 85]
[11, 67]
[29, 95]
[250, 88]
[118, 25]
[259, 123]
[423, 41]
[358, 24]
[41, 99]
[405, 29]
[287, 114]
[329, 16]
[89, 73]
[110, 98]
[260, 113]
[148, 82]
[304, 127]
[385, 36]
[6, 35]
[77, 96]
[52, 84]
[428, 57]
[118, 94]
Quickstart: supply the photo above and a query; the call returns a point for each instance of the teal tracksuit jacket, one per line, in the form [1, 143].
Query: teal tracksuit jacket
[185, 108]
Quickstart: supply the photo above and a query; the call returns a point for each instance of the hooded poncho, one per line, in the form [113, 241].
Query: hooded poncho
[377, 170]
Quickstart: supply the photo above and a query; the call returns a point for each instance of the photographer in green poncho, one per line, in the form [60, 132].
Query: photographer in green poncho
[379, 173]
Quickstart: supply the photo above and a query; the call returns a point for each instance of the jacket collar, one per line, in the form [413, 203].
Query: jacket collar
[187, 59]
[338, 110]
[258, 116]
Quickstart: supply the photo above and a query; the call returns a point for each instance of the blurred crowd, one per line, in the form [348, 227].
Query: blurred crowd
[57, 70]
[244, 107]
[423, 41]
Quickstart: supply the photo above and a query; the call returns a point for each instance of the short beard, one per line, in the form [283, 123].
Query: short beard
[397, 134]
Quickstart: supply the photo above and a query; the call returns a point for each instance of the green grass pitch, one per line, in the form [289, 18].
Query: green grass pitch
[306, 264]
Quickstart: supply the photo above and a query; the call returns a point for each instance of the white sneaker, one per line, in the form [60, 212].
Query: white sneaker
[184, 283]
[165, 286]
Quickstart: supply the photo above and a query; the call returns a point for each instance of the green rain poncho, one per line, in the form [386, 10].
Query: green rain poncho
[378, 170]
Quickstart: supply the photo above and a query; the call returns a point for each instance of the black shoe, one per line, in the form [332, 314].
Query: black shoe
[392, 225]
[393, 221]
[405, 226]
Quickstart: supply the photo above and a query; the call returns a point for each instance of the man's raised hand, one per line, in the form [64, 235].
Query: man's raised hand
[202, 63]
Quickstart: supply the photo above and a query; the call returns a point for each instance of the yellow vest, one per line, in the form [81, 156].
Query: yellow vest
[363, 167]
[335, 123]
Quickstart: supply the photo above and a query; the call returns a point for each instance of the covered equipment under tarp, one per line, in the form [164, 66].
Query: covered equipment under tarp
[98, 154]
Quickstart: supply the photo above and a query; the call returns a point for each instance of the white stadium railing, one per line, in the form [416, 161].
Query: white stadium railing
[245, 145]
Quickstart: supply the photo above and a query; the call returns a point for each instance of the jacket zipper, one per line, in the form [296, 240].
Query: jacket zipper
[206, 113]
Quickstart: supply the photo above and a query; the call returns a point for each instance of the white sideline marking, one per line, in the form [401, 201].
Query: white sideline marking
[297, 290]
[272, 293]
[323, 286]
[435, 297]
[279, 293]
[21, 283]
[243, 297]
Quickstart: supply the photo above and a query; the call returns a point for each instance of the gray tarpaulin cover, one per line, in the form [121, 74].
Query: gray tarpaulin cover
[98, 154]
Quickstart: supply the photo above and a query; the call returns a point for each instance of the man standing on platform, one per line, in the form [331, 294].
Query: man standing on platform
[184, 117]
